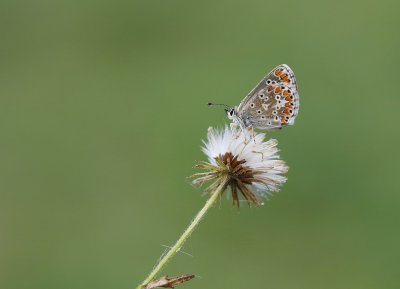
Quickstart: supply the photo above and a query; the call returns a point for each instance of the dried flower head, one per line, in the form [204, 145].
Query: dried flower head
[248, 165]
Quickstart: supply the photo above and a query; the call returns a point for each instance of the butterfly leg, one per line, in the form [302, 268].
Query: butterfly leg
[236, 128]
[233, 126]
[252, 133]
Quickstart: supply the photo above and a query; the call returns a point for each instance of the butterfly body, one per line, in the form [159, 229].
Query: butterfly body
[272, 104]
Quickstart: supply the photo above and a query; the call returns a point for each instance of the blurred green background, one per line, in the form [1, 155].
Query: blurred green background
[102, 112]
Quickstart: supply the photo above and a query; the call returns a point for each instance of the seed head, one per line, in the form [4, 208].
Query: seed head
[248, 165]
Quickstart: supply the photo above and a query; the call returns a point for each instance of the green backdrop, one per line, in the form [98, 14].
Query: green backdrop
[102, 112]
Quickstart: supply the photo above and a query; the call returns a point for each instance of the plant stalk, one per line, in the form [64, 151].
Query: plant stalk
[186, 234]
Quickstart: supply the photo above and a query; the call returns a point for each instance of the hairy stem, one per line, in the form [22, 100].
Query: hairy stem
[186, 234]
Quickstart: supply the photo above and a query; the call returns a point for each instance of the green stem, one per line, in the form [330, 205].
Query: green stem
[186, 234]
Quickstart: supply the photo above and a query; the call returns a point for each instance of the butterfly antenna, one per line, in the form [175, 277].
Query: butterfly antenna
[211, 103]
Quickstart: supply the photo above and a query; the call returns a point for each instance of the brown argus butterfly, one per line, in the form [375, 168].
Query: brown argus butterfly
[272, 104]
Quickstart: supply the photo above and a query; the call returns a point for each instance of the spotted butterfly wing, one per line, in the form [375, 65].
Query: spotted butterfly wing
[273, 103]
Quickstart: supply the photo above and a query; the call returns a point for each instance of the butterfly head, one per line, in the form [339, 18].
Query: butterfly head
[231, 112]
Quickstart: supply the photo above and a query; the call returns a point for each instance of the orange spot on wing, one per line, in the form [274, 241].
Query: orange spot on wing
[278, 89]
[283, 120]
[286, 93]
[270, 88]
[278, 72]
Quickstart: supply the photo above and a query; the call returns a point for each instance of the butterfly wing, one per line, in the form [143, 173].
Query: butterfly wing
[274, 102]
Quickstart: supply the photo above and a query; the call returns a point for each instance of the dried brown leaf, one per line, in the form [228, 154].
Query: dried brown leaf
[169, 282]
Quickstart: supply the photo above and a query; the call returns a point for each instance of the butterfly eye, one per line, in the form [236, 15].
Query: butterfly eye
[277, 97]
[252, 105]
[262, 117]
[268, 81]
[276, 118]
[259, 111]
[261, 95]
[274, 112]
[269, 123]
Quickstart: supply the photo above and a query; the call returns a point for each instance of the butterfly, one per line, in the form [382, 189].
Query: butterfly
[272, 104]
